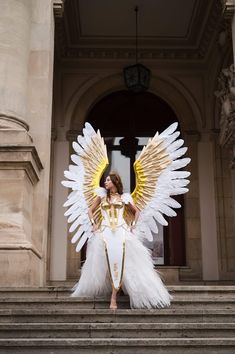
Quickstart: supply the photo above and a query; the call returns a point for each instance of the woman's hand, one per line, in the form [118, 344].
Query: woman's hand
[94, 227]
[132, 227]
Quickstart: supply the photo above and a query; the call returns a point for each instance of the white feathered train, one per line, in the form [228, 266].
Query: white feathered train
[117, 257]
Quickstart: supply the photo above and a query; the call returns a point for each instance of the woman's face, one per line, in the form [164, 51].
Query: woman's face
[108, 183]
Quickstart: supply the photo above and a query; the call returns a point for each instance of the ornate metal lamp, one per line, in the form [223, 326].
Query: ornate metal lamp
[137, 76]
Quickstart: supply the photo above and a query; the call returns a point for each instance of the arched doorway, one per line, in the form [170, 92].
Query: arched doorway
[126, 120]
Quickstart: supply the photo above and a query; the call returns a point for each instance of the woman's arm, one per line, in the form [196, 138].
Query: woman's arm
[91, 211]
[136, 213]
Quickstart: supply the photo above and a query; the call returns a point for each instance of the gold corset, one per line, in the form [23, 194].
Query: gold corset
[112, 211]
[116, 205]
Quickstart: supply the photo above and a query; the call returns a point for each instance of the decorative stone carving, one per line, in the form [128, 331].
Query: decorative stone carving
[58, 6]
[226, 94]
[229, 8]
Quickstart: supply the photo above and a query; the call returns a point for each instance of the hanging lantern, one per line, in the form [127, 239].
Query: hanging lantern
[137, 76]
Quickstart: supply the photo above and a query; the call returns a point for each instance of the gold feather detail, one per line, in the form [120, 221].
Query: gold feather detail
[95, 162]
[148, 167]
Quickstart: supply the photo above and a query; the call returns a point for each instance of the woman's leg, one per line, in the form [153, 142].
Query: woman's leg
[113, 301]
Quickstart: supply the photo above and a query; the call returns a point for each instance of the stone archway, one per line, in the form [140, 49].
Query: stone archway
[185, 108]
[170, 90]
[128, 115]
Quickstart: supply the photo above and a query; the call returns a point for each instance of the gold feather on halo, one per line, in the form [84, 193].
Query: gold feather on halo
[153, 159]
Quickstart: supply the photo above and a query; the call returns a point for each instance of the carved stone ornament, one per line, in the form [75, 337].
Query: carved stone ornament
[58, 6]
[229, 8]
[226, 94]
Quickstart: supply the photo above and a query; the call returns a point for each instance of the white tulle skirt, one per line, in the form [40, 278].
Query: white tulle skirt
[140, 280]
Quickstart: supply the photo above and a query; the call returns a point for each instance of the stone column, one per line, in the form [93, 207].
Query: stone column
[59, 229]
[19, 162]
[26, 75]
[15, 26]
[206, 163]
[192, 213]
[65, 261]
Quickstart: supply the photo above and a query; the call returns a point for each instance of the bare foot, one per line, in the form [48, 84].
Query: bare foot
[113, 304]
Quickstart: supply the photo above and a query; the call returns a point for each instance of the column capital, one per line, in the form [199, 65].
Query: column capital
[71, 135]
[192, 135]
[58, 7]
[209, 135]
[229, 9]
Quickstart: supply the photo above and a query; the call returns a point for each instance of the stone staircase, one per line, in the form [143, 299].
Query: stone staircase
[201, 320]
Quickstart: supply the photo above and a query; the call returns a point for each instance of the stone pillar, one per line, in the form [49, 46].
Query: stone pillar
[15, 26]
[192, 213]
[59, 229]
[206, 158]
[19, 162]
[26, 75]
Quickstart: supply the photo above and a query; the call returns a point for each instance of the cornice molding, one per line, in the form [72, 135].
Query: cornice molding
[106, 51]
[21, 158]
[27, 246]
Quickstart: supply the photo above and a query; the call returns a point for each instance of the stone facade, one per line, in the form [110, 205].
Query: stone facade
[34, 244]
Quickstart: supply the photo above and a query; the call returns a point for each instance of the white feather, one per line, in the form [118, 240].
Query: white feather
[179, 191]
[76, 159]
[77, 148]
[89, 129]
[175, 145]
[169, 130]
[175, 165]
[70, 175]
[178, 153]
[82, 240]
[171, 138]
[172, 203]
[158, 216]
[179, 174]
[167, 210]
[82, 141]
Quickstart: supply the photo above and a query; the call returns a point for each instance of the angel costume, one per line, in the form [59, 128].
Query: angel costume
[117, 257]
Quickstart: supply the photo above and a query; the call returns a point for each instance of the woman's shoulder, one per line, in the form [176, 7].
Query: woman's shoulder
[126, 198]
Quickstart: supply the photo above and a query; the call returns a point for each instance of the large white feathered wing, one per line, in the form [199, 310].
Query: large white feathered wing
[158, 179]
[90, 160]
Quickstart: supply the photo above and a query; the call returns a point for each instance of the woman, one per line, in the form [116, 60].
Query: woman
[132, 268]
[116, 223]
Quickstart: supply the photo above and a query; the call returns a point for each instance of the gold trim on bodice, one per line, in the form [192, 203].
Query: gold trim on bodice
[112, 210]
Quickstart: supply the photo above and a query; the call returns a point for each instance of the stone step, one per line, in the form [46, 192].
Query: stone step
[123, 302]
[117, 345]
[121, 315]
[117, 330]
[179, 290]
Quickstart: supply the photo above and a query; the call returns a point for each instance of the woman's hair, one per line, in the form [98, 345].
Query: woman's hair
[116, 179]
